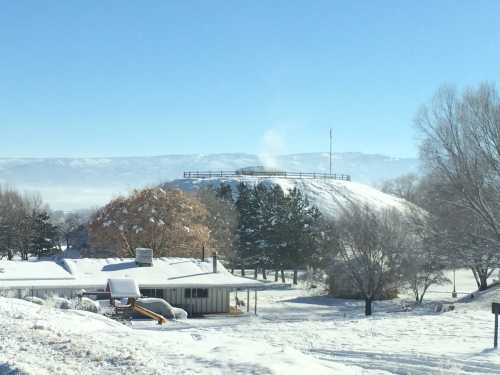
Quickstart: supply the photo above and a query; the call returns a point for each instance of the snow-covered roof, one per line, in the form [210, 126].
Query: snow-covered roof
[42, 270]
[87, 273]
[123, 288]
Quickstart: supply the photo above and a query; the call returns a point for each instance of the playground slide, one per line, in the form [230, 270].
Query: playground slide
[150, 314]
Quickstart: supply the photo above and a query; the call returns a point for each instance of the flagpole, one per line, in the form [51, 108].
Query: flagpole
[331, 141]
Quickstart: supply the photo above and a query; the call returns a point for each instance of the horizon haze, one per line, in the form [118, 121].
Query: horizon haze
[76, 183]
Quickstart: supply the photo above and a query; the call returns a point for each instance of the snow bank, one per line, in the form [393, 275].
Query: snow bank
[42, 340]
[88, 305]
[36, 300]
[59, 302]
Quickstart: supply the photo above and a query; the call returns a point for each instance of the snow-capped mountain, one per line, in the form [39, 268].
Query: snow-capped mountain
[71, 183]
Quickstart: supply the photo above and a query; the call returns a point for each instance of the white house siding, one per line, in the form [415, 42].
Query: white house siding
[216, 302]
[41, 293]
[218, 299]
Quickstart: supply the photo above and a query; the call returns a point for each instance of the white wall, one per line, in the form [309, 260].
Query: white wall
[216, 302]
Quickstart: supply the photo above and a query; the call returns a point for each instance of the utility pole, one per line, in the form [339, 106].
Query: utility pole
[454, 293]
[331, 142]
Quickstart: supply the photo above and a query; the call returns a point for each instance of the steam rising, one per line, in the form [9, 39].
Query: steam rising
[271, 146]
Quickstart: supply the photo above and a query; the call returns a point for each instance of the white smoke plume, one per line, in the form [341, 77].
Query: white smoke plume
[272, 145]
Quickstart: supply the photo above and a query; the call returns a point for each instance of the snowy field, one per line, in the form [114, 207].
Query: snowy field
[296, 330]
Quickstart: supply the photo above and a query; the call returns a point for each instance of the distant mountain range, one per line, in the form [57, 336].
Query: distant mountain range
[72, 183]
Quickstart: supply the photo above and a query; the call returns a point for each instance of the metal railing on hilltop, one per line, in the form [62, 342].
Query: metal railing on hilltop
[281, 174]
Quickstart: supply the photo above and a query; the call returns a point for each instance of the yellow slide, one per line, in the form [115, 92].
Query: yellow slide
[150, 314]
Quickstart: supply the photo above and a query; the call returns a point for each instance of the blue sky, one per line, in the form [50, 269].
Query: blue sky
[118, 78]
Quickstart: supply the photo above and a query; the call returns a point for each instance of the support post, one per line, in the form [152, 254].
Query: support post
[255, 305]
[191, 301]
[214, 261]
[216, 300]
[495, 309]
[331, 142]
[495, 340]
[248, 300]
[454, 293]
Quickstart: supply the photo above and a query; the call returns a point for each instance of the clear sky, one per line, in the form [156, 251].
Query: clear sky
[119, 78]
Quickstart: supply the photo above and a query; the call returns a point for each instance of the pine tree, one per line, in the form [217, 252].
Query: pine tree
[301, 221]
[225, 192]
[44, 235]
[7, 238]
[246, 226]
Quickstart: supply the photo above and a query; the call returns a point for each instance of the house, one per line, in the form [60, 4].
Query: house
[197, 286]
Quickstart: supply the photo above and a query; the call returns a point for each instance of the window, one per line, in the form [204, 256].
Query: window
[196, 293]
[202, 293]
[152, 293]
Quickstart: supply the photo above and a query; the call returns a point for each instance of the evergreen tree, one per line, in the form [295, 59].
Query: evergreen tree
[247, 224]
[44, 235]
[276, 230]
[26, 235]
[8, 239]
[301, 221]
[225, 192]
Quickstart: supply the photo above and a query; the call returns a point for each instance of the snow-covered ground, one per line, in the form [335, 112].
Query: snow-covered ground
[330, 196]
[296, 330]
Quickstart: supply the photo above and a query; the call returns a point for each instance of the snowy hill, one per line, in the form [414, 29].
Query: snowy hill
[70, 183]
[330, 196]
[482, 300]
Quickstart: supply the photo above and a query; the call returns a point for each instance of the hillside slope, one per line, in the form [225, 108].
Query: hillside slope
[330, 196]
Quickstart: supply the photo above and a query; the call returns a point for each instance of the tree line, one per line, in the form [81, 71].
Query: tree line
[260, 227]
[25, 226]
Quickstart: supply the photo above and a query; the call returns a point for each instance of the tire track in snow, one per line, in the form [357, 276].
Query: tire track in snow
[403, 364]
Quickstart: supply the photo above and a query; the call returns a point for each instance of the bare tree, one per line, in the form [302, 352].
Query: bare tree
[11, 214]
[405, 187]
[461, 146]
[24, 227]
[371, 245]
[68, 224]
[221, 219]
[426, 258]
